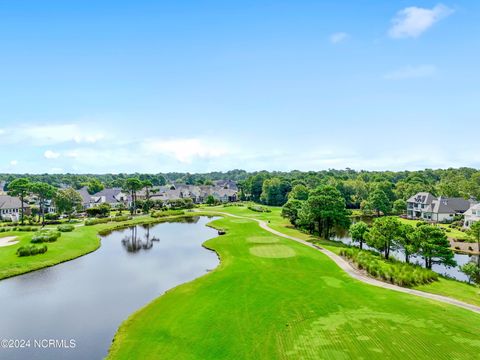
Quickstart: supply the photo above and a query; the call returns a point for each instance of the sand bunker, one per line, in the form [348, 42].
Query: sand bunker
[7, 241]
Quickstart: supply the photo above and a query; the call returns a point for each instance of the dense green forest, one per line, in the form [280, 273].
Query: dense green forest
[374, 189]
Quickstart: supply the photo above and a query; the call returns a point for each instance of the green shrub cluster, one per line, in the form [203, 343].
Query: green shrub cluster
[234, 204]
[165, 213]
[90, 222]
[45, 236]
[65, 228]
[391, 271]
[29, 250]
[19, 228]
[259, 208]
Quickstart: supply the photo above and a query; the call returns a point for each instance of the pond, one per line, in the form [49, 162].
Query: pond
[453, 272]
[85, 300]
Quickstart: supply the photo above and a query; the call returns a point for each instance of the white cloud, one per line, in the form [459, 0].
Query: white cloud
[13, 162]
[49, 154]
[185, 150]
[44, 134]
[338, 37]
[412, 72]
[413, 21]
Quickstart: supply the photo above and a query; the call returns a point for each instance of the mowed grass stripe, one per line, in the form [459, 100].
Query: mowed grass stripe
[289, 308]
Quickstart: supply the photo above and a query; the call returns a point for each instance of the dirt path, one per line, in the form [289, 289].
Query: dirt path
[354, 273]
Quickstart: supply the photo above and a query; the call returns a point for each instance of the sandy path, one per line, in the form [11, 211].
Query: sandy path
[354, 273]
[7, 241]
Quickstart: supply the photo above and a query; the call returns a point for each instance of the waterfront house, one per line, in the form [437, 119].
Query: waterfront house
[472, 215]
[425, 206]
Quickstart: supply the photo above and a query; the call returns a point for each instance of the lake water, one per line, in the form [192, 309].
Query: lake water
[85, 300]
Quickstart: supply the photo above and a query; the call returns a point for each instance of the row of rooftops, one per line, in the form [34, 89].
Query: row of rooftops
[226, 190]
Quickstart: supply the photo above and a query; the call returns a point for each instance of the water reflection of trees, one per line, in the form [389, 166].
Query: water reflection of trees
[134, 242]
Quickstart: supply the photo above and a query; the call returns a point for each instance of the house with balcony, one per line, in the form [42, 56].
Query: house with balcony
[472, 215]
[425, 206]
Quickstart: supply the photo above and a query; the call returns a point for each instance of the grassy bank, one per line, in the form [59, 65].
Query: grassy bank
[272, 298]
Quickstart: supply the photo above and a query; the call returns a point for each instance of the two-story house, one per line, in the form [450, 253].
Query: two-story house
[425, 206]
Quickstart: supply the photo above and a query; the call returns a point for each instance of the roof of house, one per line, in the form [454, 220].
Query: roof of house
[422, 198]
[110, 195]
[473, 207]
[450, 205]
[10, 202]
[86, 197]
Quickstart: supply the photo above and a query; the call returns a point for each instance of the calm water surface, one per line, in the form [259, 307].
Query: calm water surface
[86, 299]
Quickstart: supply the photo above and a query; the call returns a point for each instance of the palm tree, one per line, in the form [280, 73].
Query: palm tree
[21, 188]
[132, 185]
[44, 192]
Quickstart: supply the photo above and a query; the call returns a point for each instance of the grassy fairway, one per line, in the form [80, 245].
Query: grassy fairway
[70, 245]
[455, 289]
[272, 298]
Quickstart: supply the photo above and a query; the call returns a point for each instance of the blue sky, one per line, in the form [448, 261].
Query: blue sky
[155, 86]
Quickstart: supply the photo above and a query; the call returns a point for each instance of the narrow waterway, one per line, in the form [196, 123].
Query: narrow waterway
[81, 303]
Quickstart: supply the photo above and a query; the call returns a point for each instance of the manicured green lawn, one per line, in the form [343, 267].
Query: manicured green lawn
[455, 289]
[272, 298]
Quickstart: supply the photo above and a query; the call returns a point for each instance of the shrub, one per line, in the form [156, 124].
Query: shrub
[164, 213]
[65, 228]
[45, 236]
[391, 271]
[258, 208]
[29, 250]
[52, 216]
[96, 221]
[27, 228]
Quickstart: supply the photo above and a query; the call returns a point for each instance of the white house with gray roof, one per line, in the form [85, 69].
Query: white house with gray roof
[425, 206]
[11, 208]
[472, 215]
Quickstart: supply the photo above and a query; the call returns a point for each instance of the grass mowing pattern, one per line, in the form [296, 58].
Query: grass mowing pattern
[300, 307]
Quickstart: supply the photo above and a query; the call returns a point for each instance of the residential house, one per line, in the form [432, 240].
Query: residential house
[472, 215]
[86, 197]
[11, 208]
[112, 196]
[425, 206]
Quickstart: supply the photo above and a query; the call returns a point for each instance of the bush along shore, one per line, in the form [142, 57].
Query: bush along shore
[392, 271]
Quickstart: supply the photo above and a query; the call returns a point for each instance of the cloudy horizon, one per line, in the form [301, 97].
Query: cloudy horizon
[372, 87]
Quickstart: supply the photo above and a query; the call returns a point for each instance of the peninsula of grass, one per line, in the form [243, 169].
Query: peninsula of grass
[71, 245]
[272, 298]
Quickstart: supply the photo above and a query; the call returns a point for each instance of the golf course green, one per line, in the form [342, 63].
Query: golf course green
[272, 298]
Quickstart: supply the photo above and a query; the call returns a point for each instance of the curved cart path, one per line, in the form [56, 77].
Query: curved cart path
[356, 274]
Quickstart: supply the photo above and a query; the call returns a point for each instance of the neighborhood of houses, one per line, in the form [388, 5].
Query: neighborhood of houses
[221, 191]
[422, 206]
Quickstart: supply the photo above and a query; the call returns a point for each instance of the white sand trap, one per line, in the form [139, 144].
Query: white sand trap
[7, 241]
